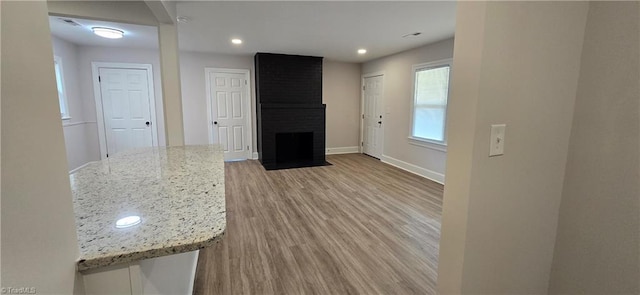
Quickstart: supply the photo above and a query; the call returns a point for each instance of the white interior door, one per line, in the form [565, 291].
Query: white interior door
[372, 117]
[126, 108]
[229, 113]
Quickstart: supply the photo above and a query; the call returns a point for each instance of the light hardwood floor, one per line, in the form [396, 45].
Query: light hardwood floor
[357, 227]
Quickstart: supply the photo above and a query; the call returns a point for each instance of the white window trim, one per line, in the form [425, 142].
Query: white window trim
[434, 145]
[423, 142]
[67, 114]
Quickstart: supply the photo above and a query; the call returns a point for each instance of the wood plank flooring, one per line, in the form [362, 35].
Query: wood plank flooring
[357, 227]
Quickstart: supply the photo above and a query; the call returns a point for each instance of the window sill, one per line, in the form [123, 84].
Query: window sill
[66, 118]
[428, 144]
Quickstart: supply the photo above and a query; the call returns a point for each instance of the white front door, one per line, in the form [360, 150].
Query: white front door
[229, 110]
[372, 117]
[126, 109]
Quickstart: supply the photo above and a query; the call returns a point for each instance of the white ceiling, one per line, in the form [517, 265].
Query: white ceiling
[135, 36]
[332, 29]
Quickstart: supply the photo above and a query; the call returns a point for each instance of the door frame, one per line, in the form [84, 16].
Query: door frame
[247, 105]
[380, 105]
[97, 95]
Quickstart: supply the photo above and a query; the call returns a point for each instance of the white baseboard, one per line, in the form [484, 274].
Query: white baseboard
[342, 150]
[426, 173]
[77, 123]
[254, 156]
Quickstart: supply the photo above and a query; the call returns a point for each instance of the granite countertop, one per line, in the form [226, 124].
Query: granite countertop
[178, 192]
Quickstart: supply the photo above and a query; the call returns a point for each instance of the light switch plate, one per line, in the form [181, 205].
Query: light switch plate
[496, 146]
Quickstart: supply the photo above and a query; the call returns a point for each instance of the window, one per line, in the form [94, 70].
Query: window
[429, 112]
[62, 95]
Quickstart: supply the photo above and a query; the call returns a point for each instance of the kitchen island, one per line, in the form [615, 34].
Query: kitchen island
[136, 207]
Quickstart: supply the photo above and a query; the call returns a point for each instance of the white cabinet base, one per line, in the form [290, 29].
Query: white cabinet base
[172, 274]
[111, 280]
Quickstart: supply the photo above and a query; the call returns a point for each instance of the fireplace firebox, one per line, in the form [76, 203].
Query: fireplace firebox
[294, 148]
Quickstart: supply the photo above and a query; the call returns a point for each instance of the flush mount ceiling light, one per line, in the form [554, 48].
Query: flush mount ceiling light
[128, 221]
[236, 41]
[362, 51]
[107, 32]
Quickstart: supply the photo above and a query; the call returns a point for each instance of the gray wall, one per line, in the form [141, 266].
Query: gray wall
[39, 245]
[516, 63]
[598, 232]
[341, 94]
[76, 129]
[559, 212]
[397, 102]
[135, 12]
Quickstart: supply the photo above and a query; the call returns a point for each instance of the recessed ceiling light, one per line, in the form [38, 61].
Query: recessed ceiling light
[107, 32]
[362, 51]
[236, 41]
[128, 221]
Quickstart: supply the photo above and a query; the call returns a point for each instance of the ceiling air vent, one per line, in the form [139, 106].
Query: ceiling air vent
[70, 22]
[412, 35]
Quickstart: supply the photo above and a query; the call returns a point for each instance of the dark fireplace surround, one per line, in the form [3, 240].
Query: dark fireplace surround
[290, 113]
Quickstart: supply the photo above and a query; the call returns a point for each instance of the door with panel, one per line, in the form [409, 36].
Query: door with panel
[229, 111]
[126, 108]
[372, 116]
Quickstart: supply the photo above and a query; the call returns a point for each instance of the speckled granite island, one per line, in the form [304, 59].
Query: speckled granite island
[177, 193]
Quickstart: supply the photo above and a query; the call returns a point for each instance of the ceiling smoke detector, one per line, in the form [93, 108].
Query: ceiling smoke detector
[412, 35]
[69, 22]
